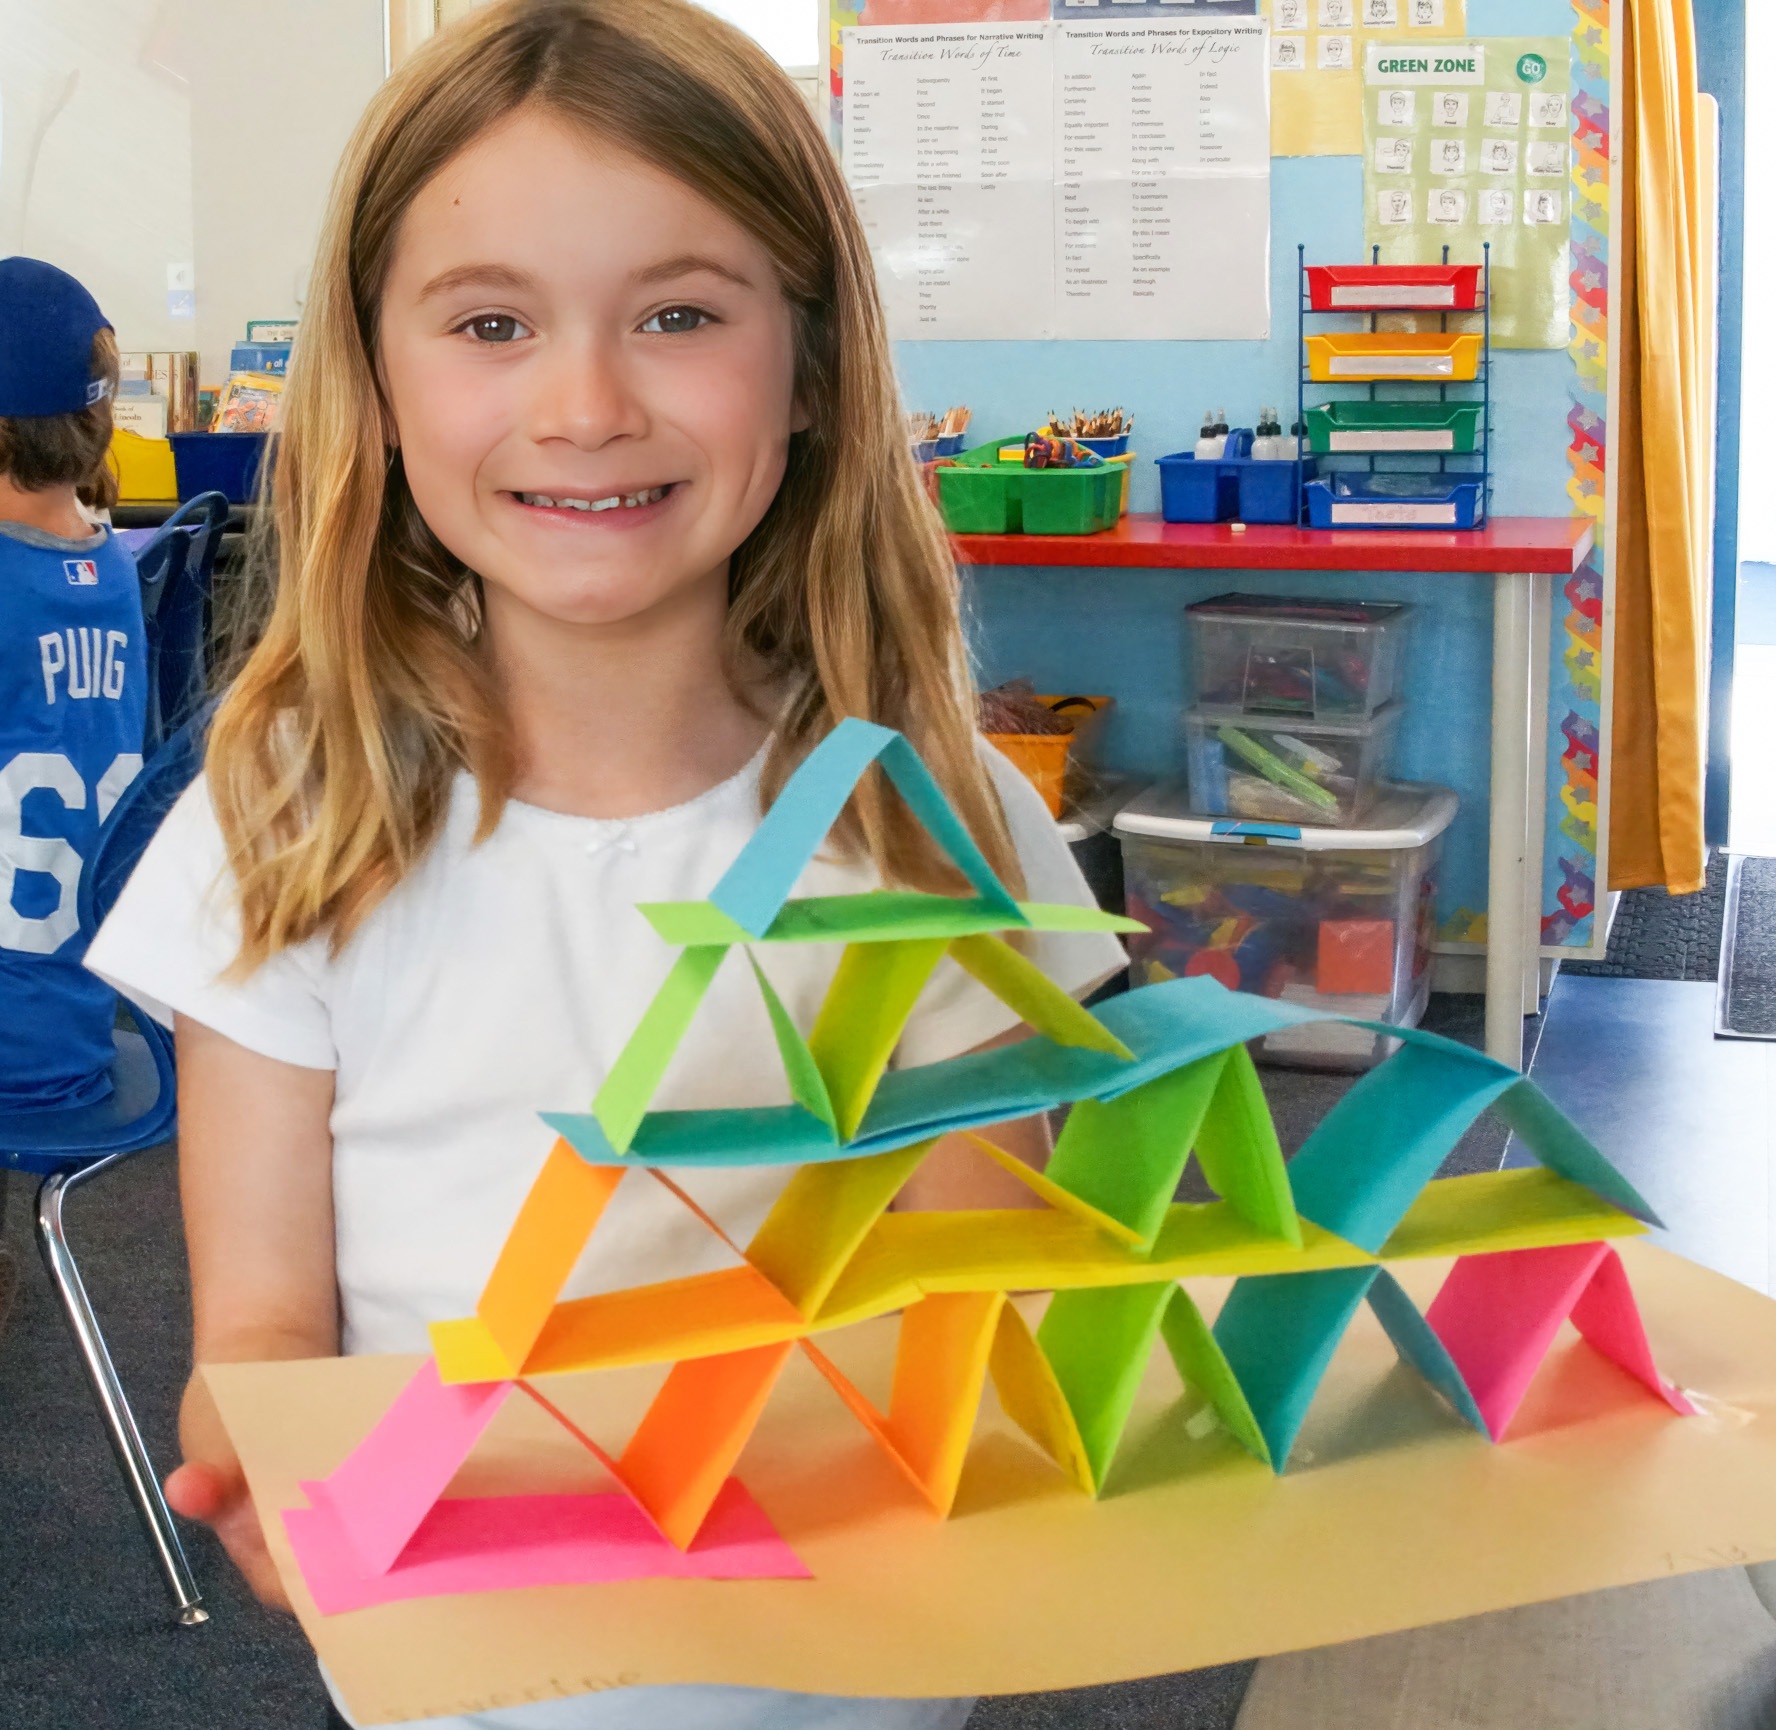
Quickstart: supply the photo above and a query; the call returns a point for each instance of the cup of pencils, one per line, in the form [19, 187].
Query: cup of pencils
[936, 436]
[1105, 431]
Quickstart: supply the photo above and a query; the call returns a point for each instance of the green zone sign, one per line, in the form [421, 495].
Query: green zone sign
[1532, 68]
[1444, 63]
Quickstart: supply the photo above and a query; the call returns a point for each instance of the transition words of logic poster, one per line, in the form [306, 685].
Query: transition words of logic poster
[1101, 180]
[1466, 143]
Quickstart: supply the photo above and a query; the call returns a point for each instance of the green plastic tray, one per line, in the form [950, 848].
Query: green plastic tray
[1393, 426]
[980, 495]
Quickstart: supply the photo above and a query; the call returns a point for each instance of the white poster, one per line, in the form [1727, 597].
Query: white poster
[949, 149]
[1095, 180]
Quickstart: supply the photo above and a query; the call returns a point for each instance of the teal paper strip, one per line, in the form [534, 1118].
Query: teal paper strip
[1371, 1154]
[1420, 1347]
[1278, 1333]
[758, 883]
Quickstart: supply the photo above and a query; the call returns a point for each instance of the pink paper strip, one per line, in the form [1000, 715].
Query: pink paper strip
[1498, 1316]
[388, 1484]
[1608, 1317]
[494, 1543]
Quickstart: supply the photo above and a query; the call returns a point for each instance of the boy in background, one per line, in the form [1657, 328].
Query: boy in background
[73, 680]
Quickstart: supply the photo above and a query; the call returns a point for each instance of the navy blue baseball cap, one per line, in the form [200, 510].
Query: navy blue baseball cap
[47, 325]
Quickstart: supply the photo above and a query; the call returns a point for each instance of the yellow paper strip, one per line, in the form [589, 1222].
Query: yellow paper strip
[816, 1224]
[1039, 1003]
[1032, 1398]
[859, 1025]
[1041, 1184]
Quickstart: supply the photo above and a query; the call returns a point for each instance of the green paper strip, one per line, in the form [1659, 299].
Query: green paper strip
[1125, 1156]
[622, 1102]
[1241, 1157]
[1098, 1342]
[807, 1086]
[880, 916]
[860, 1021]
[1204, 1369]
[1024, 988]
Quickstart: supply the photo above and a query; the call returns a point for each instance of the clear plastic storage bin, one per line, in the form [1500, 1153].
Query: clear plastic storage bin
[1334, 919]
[1286, 768]
[1268, 655]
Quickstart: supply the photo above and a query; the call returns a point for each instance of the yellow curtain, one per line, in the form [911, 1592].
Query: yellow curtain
[1664, 520]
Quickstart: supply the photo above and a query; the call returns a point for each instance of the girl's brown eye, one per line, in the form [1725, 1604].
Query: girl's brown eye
[494, 327]
[676, 321]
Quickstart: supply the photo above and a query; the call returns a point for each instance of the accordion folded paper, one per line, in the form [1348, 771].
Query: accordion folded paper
[1152, 1079]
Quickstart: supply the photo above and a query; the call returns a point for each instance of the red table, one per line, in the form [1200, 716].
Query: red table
[1521, 555]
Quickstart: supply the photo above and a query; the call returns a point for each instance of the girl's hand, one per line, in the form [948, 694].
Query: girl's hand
[211, 1487]
[255, 1172]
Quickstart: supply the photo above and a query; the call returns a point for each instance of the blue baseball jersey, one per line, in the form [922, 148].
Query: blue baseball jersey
[73, 701]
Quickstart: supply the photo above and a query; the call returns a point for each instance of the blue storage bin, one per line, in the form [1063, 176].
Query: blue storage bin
[1269, 491]
[1400, 501]
[227, 463]
[951, 446]
[1193, 492]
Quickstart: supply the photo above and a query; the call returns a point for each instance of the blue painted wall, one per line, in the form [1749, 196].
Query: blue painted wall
[1121, 632]
[1720, 52]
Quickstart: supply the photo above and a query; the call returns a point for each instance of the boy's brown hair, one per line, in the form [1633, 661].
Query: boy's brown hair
[58, 450]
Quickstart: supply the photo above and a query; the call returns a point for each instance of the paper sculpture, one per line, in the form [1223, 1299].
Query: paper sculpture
[1150, 1078]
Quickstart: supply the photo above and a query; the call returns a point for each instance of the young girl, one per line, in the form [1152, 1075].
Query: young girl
[594, 513]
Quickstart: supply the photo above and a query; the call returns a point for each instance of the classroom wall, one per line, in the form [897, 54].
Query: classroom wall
[95, 155]
[1121, 632]
[276, 87]
[1721, 61]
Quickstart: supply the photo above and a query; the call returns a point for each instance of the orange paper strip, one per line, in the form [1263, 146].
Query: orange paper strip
[546, 1240]
[679, 1458]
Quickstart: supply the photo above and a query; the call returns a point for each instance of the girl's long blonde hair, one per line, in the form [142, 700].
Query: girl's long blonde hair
[332, 755]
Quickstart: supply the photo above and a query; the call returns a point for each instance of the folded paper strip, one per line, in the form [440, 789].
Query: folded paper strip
[1151, 1078]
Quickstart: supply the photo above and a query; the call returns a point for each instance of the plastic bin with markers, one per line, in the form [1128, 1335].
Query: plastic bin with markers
[1333, 919]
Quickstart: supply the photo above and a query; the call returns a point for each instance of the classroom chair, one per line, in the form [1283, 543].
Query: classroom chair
[175, 570]
[70, 1148]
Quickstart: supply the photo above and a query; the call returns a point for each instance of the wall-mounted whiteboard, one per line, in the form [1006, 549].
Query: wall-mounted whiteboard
[1044, 180]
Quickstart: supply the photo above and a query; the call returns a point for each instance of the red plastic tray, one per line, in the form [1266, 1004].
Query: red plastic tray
[1393, 287]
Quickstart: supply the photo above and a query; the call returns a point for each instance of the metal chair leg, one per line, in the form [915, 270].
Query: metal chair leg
[120, 1422]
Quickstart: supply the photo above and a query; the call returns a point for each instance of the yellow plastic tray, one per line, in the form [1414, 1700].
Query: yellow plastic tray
[144, 468]
[1354, 357]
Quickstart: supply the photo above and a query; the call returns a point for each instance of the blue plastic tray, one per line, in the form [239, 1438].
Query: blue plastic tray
[1363, 501]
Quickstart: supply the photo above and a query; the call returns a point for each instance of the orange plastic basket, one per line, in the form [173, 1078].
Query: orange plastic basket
[1043, 759]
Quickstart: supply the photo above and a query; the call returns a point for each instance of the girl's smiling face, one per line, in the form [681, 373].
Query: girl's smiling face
[590, 372]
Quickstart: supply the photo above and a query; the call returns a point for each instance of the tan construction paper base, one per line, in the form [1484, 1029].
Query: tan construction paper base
[1393, 1515]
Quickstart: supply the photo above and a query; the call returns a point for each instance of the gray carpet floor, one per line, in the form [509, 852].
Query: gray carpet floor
[1661, 936]
[1751, 989]
[85, 1640]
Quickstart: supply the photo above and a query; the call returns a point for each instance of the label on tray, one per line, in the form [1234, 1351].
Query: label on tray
[1415, 516]
[1395, 439]
[1397, 294]
[1406, 365]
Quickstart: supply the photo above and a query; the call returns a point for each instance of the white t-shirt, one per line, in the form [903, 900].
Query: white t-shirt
[501, 980]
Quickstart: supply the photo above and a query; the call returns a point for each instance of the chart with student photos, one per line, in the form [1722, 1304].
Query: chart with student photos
[1316, 56]
[1468, 144]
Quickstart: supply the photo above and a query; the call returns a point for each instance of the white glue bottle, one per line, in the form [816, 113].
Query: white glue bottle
[1208, 447]
[1267, 440]
[1221, 432]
